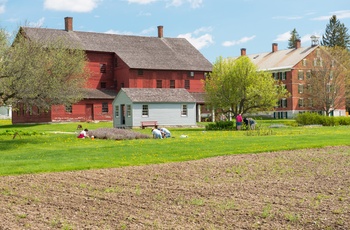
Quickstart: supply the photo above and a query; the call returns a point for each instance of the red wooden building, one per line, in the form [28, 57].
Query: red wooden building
[122, 61]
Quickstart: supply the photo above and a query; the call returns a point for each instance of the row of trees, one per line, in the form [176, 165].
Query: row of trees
[237, 86]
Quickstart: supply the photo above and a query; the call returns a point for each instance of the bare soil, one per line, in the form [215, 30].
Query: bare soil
[301, 189]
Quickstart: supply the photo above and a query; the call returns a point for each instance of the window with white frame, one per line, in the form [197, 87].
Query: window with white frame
[301, 102]
[308, 74]
[284, 102]
[184, 110]
[304, 62]
[301, 88]
[128, 110]
[284, 76]
[331, 75]
[104, 107]
[301, 74]
[116, 111]
[311, 103]
[309, 88]
[145, 111]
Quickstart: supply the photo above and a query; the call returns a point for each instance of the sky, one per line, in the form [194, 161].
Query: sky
[215, 27]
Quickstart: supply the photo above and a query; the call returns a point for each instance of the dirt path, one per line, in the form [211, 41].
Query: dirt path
[304, 189]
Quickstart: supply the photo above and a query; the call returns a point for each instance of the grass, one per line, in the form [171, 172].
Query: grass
[55, 148]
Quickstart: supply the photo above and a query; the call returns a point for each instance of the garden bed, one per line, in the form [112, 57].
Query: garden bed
[301, 189]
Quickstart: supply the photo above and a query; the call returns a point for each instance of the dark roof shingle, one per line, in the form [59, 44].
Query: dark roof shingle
[138, 52]
[159, 95]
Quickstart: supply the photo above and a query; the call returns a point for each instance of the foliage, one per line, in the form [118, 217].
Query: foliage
[328, 78]
[40, 73]
[317, 119]
[336, 34]
[236, 86]
[221, 125]
[294, 36]
[117, 134]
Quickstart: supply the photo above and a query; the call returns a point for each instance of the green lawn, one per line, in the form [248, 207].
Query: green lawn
[53, 151]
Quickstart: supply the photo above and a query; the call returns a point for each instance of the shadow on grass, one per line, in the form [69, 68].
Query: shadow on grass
[11, 143]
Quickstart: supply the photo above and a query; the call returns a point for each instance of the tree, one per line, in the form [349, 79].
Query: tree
[236, 86]
[40, 73]
[336, 34]
[326, 83]
[294, 36]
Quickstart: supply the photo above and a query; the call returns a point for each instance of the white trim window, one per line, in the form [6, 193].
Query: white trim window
[128, 110]
[184, 111]
[145, 111]
[116, 111]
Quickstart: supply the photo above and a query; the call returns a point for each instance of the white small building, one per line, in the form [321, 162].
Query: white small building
[5, 112]
[166, 106]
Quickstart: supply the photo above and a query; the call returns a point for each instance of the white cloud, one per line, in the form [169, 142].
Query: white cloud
[283, 37]
[237, 42]
[2, 6]
[71, 5]
[197, 40]
[119, 32]
[143, 32]
[288, 17]
[2, 9]
[37, 24]
[143, 2]
[193, 3]
[340, 15]
[176, 3]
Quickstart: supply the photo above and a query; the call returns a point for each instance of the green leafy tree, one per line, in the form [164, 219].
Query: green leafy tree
[294, 36]
[40, 73]
[236, 86]
[336, 34]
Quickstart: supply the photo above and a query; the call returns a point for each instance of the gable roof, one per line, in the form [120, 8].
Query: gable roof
[158, 95]
[281, 59]
[137, 52]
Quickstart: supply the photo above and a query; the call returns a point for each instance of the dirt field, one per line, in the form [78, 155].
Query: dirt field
[304, 189]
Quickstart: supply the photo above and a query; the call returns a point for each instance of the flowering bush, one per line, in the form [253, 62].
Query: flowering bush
[116, 134]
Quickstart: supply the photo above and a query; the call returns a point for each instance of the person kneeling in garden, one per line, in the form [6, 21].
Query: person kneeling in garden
[83, 134]
[165, 132]
[157, 134]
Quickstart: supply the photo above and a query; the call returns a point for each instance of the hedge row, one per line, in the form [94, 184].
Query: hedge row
[317, 119]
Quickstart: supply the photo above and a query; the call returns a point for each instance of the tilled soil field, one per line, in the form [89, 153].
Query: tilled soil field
[301, 189]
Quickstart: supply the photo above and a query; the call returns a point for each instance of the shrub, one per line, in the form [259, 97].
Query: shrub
[221, 125]
[117, 134]
[317, 119]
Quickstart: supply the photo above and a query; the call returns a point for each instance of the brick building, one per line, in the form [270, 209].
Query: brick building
[293, 67]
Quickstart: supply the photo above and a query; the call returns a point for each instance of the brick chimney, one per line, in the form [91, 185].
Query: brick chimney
[243, 51]
[297, 43]
[68, 24]
[274, 47]
[160, 31]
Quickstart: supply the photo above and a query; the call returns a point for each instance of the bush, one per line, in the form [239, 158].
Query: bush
[117, 134]
[221, 125]
[317, 119]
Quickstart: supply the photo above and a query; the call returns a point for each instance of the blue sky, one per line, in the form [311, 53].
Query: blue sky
[215, 27]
